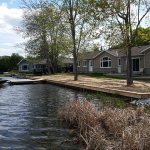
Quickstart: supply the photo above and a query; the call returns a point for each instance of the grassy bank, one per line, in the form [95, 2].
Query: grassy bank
[105, 99]
[112, 128]
[4, 75]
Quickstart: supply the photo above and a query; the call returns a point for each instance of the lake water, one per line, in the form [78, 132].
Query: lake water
[28, 117]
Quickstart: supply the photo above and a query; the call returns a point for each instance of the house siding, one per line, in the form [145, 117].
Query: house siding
[147, 62]
[123, 63]
[147, 59]
[105, 70]
[105, 54]
[24, 62]
[114, 65]
[83, 69]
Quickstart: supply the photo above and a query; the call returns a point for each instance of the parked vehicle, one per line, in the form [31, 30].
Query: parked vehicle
[68, 68]
[40, 71]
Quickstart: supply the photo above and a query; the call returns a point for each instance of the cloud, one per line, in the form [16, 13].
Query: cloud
[12, 1]
[6, 44]
[9, 18]
[9, 51]
[8, 38]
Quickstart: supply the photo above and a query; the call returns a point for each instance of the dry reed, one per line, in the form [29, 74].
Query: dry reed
[112, 128]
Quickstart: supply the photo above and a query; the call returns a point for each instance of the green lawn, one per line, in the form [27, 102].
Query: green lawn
[100, 75]
[4, 75]
[29, 74]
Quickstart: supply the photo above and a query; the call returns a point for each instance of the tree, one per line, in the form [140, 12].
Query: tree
[122, 23]
[78, 18]
[41, 28]
[9, 63]
[4, 64]
[15, 58]
[143, 36]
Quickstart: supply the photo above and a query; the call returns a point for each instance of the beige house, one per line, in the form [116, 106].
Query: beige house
[114, 61]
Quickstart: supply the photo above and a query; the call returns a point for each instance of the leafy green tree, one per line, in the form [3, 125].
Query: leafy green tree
[143, 36]
[122, 20]
[4, 64]
[9, 63]
[41, 27]
[15, 58]
[78, 23]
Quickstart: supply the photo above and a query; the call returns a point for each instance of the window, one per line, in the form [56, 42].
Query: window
[119, 62]
[25, 67]
[84, 63]
[105, 62]
[78, 63]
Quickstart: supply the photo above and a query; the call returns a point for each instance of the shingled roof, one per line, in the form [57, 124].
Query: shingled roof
[135, 51]
[88, 55]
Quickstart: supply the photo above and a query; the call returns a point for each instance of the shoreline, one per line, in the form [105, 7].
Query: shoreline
[140, 89]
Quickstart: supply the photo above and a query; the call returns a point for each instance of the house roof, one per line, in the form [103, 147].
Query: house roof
[66, 60]
[21, 61]
[88, 55]
[135, 51]
[42, 61]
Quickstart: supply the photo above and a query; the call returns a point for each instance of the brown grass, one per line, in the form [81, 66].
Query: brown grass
[112, 128]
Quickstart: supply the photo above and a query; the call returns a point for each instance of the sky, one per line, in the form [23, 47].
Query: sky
[10, 16]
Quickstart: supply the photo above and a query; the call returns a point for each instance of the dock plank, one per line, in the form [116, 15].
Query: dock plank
[99, 89]
[22, 81]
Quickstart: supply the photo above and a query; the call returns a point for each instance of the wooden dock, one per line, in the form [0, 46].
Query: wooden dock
[22, 81]
[82, 87]
[99, 89]
[2, 81]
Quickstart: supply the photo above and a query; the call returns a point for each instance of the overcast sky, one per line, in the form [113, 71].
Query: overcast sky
[10, 16]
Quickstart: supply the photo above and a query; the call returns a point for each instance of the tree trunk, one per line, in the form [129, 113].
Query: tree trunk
[129, 68]
[75, 68]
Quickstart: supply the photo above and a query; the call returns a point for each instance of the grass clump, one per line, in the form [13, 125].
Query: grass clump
[112, 128]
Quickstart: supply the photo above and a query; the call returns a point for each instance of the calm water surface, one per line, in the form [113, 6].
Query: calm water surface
[28, 117]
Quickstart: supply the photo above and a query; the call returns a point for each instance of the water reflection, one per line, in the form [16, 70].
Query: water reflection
[28, 117]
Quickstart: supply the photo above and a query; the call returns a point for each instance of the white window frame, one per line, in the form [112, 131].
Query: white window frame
[84, 64]
[101, 60]
[78, 63]
[25, 65]
[118, 61]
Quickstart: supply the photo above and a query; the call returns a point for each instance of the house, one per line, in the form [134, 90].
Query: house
[26, 66]
[114, 61]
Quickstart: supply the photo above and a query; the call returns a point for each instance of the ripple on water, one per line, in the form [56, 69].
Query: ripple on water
[28, 117]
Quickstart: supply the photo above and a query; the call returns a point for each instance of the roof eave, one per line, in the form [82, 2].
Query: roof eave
[145, 50]
[21, 61]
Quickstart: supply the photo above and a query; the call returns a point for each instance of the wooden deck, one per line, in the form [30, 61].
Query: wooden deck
[2, 81]
[22, 81]
[82, 87]
[99, 89]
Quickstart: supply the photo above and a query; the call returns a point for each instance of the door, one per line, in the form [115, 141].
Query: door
[90, 65]
[119, 65]
[136, 64]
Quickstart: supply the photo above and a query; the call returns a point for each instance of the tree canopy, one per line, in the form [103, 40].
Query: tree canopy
[9, 63]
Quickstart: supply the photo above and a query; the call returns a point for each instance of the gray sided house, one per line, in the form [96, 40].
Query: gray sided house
[114, 61]
[26, 67]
